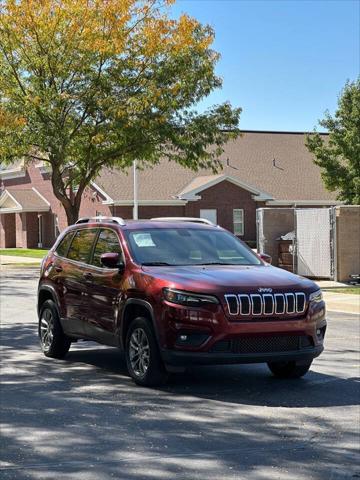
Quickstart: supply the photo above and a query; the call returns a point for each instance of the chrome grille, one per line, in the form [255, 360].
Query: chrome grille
[257, 304]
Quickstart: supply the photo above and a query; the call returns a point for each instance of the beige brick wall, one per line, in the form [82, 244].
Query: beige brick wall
[348, 241]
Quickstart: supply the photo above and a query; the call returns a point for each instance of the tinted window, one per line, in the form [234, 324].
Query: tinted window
[64, 245]
[107, 242]
[189, 246]
[81, 245]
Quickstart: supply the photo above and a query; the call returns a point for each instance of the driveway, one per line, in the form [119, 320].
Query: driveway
[83, 418]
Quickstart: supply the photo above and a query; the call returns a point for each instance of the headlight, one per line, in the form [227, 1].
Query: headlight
[187, 298]
[316, 297]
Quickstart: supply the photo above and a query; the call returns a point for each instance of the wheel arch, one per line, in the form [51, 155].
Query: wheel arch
[46, 292]
[133, 308]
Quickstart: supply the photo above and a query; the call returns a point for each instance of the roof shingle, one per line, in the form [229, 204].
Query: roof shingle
[277, 163]
[28, 199]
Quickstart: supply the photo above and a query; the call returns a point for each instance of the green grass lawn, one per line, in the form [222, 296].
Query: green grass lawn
[352, 290]
[24, 252]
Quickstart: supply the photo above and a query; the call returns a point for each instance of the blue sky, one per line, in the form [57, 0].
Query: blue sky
[284, 62]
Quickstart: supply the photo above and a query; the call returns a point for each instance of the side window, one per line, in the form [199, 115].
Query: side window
[64, 245]
[81, 245]
[107, 242]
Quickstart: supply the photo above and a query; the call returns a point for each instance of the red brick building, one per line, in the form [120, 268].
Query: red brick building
[259, 169]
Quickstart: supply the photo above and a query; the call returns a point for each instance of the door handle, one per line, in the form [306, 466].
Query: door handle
[88, 276]
[58, 269]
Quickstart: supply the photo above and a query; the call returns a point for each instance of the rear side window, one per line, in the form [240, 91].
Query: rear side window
[107, 242]
[81, 245]
[64, 245]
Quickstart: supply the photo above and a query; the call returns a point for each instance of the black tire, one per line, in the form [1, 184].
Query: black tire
[289, 369]
[143, 358]
[54, 343]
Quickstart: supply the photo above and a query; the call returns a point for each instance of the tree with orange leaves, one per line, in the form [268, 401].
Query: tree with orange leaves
[87, 84]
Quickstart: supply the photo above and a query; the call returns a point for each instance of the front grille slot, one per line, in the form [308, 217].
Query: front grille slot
[290, 302]
[263, 344]
[245, 305]
[256, 302]
[268, 304]
[279, 303]
[233, 304]
[300, 302]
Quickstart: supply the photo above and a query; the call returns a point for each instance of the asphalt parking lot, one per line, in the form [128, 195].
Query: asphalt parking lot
[83, 418]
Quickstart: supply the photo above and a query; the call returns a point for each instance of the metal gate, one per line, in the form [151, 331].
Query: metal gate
[315, 242]
[313, 235]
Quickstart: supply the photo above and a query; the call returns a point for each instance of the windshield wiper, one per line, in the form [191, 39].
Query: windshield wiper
[215, 263]
[156, 264]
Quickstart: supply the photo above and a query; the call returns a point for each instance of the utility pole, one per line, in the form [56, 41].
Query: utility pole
[136, 201]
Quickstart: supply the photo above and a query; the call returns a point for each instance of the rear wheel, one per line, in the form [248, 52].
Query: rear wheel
[54, 343]
[142, 354]
[289, 369]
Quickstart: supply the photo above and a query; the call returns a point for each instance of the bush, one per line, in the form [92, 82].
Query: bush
[251, 243]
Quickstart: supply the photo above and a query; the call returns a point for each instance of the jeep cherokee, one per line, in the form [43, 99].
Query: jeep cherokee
[174, 292]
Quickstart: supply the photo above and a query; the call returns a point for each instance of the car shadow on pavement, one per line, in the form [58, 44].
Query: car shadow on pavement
[238, 384]
[82, 417]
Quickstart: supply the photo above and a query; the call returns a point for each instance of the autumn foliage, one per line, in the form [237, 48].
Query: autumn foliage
[91, 83]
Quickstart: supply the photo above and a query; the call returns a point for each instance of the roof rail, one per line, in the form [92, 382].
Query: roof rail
[118, 220]
[183, 219]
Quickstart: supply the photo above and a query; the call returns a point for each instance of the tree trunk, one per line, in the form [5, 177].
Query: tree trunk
[72, 213]
[69, 201]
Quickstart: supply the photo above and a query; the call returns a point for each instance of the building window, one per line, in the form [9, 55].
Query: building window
[238, 219]
[209, 214]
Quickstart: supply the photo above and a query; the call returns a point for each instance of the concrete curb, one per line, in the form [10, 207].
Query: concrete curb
[15, 266]
[341, 287]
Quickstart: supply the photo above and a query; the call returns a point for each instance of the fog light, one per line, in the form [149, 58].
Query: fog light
[320, 332]
[193, 339]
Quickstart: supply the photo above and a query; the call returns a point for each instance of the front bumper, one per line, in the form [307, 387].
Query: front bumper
[207, 337]
[181, 358]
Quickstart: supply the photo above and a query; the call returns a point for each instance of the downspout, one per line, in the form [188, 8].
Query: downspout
[136, 201]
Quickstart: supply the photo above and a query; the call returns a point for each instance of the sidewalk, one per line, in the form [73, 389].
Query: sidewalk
[328, 284]
[342, 302]
[13, 260]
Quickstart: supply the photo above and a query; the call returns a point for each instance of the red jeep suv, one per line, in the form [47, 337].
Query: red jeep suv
[173, 292]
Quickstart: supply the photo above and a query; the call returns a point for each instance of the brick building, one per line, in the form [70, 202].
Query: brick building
[259, 169]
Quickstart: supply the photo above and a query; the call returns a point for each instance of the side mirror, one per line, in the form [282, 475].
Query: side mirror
[266, 258]
[111, 260]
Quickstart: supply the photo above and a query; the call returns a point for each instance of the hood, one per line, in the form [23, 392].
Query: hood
[230, 279]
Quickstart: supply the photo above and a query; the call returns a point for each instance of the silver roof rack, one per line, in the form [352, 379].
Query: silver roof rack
[118, 220]
[183, 219]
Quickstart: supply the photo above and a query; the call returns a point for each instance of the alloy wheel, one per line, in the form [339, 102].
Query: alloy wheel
[139, 352]
[46, 329]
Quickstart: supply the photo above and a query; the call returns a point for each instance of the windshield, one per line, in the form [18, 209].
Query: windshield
[187, 246]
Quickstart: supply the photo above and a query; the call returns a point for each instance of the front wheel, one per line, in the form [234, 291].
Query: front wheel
[289, 369]
[54, 343]
[142, 354]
